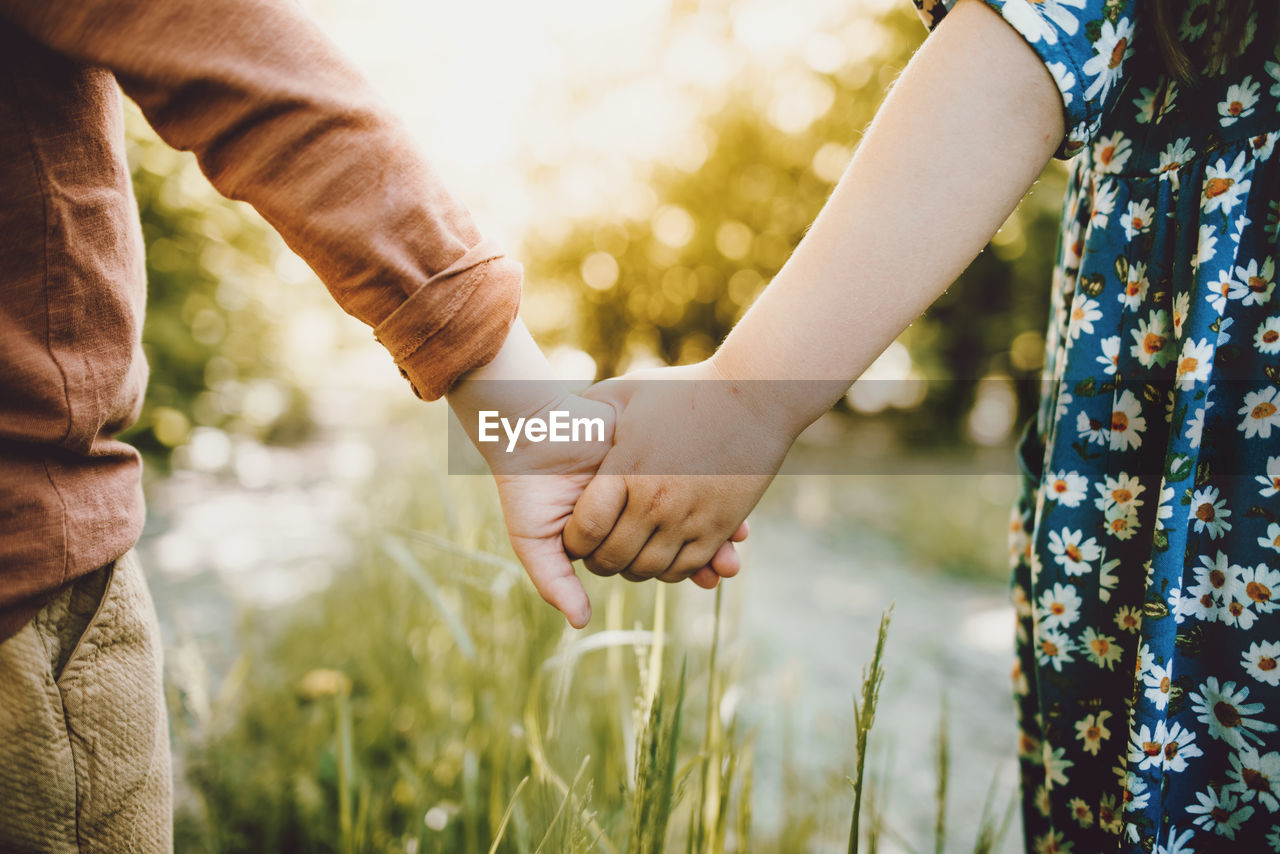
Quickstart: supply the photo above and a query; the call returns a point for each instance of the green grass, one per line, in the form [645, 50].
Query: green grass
[429, 703]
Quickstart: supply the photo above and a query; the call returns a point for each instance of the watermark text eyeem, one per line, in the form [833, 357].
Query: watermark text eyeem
[558, 426]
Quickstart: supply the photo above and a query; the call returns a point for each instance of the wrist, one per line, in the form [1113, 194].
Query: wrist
[783, 408]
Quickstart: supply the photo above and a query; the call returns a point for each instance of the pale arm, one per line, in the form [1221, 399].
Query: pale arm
[960, 139]
[968, 127]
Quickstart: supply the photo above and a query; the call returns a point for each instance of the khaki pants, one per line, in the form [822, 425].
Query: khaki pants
[84, 738]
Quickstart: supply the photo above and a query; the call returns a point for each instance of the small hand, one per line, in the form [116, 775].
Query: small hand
[690, 460]
[538, 501]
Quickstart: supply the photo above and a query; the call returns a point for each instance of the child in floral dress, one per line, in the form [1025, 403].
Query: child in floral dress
[1147, 545]
[1147, 542]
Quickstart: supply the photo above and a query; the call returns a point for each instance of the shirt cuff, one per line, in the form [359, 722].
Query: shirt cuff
[435, 338]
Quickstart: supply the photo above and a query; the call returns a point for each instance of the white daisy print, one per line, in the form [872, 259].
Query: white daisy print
[1174, 156]
[1219, 811]
[1195, 425]
[1267, 338]
[1042, 19]
[1092, 430]
[1054, 649]
[1224, 710]
[1239, 102]
[1255, 776]
[1084, 312]
[1135, 289]
[1111, 49]
[1055, 765]
[1254, 284]
[1237, 614]
[1151, 345]
[1093, 730]
[1209, 513]
[1059, 607]
[1110, 353]
[1206, 245]
[1137, 218]
[1224, 185]
[1064, 403]
[1167, 747]
[1111, 153]
[1127, 422]
[1158, 681]
[1072, 552]
[1064, 79]
[1260, 413]
[1272, 539]
[1107, 578]
[1068, 488]
[1271, 481]
[1165, 508]
[1101, 649]
[1122, 490]
[1135, 793]
[1260, 585]
[1104, 202]
[1179, 747]
[1262, 662]
[1176, 843]
[1121, 522]
[1128, 619]
[1262, 145]
[1220, 291]
[1181, 305]
[1195, 363]
[1216, 577]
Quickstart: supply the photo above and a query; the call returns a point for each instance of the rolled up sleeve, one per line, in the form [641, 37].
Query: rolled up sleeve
[278, 118]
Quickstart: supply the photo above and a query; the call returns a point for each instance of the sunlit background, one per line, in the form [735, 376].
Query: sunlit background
[350, 651]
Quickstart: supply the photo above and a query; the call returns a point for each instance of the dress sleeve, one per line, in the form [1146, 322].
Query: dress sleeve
[1083, 43]
[278, 118]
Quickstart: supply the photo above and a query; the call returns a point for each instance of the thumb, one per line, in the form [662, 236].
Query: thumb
[616, 392]
[552, 575]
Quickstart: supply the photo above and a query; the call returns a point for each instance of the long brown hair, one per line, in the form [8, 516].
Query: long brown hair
[1227, 21]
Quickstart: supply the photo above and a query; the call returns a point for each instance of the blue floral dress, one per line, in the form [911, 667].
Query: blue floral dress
[1147, 543]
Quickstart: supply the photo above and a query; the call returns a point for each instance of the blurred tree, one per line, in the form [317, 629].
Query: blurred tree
[670, 285]
[208, 337]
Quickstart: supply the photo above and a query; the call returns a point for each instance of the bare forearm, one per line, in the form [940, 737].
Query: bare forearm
[958, 142]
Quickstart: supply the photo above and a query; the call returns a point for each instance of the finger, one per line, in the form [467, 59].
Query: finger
[631, 576]
[694, 556]
[614, 392]
[705, 578]
[744, 531]
[619, 549]
[726, 561]
[552, 575]
[595, 514]
[655, 559]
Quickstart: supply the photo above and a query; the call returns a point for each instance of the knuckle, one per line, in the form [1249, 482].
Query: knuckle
[592, 529]
[604, 564]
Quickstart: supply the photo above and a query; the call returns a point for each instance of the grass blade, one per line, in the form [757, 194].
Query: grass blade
[506, 816]
[418, 573]
[865, 715]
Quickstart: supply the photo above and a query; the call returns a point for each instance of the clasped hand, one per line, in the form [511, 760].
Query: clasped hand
[691, 455]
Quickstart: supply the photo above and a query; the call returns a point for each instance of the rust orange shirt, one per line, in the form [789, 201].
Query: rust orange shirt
[277, 118]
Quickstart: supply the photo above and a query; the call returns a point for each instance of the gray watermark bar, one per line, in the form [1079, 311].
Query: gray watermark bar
[719, 427]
